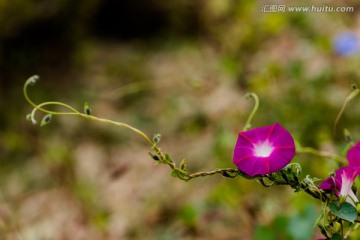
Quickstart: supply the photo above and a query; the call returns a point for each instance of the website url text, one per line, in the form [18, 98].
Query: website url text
[273, 8]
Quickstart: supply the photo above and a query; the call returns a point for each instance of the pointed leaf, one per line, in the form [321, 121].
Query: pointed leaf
[346, 211]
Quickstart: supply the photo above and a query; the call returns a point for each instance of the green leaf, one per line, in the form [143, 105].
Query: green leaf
[346, 211]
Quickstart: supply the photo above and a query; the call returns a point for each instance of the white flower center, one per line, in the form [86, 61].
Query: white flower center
[263, 149]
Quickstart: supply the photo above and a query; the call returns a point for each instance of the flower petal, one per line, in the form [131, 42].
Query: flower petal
[353, 155]
[280, 158]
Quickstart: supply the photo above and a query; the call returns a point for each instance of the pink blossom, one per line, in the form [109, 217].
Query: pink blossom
[344, 177]
[263, 150]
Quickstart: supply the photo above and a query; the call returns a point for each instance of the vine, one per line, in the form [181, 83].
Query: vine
[336, 209]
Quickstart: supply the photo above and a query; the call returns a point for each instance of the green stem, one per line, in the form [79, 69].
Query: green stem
[119, 124]
[39, 107]
[254, 110]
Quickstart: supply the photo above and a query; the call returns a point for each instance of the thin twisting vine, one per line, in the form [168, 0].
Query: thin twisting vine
[290, 175]
[157, 154]
[163, 158]
[254, 110]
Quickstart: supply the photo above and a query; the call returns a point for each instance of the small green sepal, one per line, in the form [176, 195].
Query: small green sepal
[46, 120]
[87, 109]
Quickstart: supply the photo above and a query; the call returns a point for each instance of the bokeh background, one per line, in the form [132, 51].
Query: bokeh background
[179, 68]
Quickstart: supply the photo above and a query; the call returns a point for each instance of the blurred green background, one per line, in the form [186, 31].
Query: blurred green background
[179, 68]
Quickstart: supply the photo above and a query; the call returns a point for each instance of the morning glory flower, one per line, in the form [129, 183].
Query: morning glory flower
[263, 150]
[346, 44]
[344, 177]
[342, 182]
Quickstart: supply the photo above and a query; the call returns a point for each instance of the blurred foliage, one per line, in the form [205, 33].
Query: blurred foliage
[298, 227]
[175, 67]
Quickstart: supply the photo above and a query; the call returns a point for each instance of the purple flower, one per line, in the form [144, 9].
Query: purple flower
[263, 150]
[344, 177]
[346, 44]
[342, 182]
